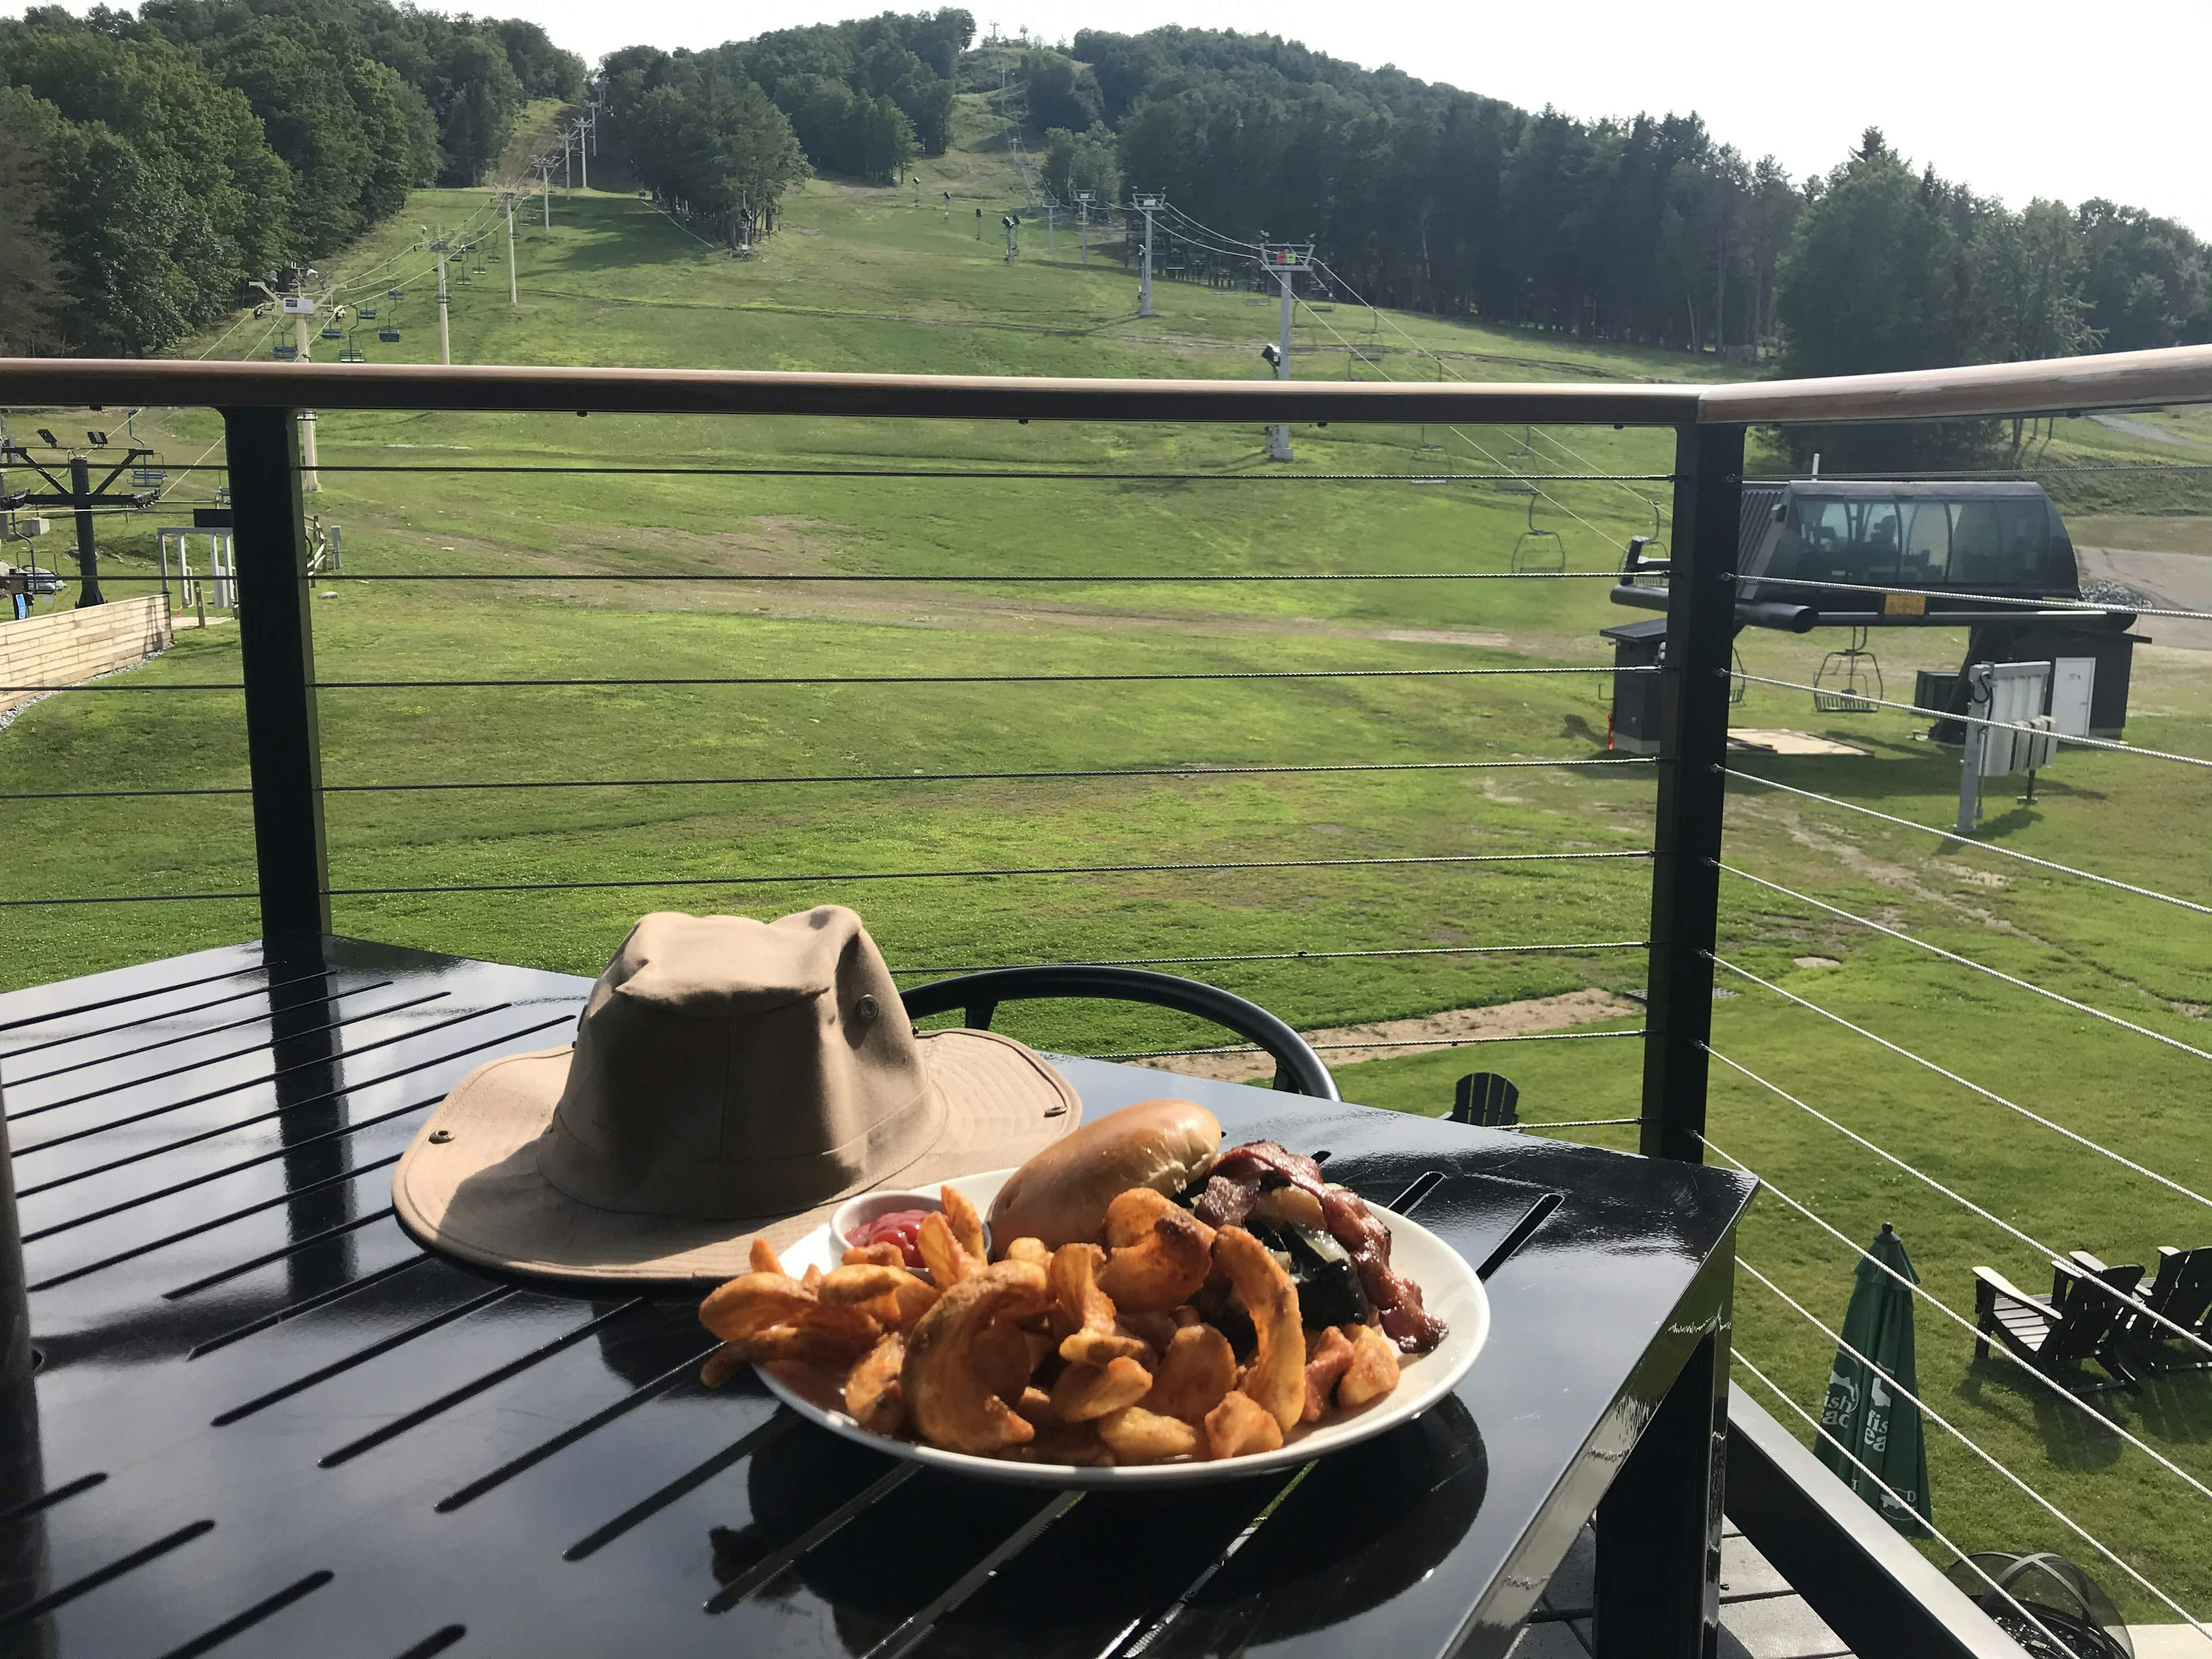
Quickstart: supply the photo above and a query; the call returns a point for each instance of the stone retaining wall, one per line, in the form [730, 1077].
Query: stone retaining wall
[64, 647]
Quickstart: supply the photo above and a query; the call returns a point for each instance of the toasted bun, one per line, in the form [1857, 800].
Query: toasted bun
[1061, 1195]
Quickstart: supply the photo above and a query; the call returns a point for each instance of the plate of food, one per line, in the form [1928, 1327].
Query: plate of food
[1133, 1307]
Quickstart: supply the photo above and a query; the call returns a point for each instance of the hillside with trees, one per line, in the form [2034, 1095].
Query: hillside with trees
[153, 163]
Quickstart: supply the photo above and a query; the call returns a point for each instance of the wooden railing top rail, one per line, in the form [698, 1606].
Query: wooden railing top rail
[2117, 381]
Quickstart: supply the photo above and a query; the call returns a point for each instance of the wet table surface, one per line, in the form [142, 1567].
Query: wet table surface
[266, 1423]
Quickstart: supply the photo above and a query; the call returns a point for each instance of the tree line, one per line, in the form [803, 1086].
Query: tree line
[726, 131]
[151, 164]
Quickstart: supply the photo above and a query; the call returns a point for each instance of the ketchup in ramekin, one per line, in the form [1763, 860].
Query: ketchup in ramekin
[899, 1227]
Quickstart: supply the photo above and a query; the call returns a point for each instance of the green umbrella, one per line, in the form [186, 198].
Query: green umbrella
[1882, 1429]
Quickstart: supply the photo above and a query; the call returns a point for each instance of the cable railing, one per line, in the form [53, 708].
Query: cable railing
[1672, 1034]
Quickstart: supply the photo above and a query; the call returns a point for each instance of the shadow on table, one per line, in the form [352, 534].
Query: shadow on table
[1347, 1535]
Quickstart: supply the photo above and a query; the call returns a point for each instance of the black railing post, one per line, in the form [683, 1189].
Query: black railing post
[276, 652]
[1694, 708]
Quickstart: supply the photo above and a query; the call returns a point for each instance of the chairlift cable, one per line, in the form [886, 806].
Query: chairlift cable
[1989, 1095]
[1904, 1393]
[1994, 725]
[1983, 845]
[1966, 961]
[1949, 1312]
[1296, 956]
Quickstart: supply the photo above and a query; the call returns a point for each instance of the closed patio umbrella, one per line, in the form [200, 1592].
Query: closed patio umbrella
[1881, 1427]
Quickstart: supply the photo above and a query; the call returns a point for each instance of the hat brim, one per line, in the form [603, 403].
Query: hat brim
[469, 1185]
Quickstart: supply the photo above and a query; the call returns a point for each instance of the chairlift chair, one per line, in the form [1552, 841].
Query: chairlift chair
[389, 334]
[395, 293]
[1841, 686]
[284, 351]
[352, 353]
[1416, 471]
[1539, 549]
[147, 472]
[367, 314]
[332, 332]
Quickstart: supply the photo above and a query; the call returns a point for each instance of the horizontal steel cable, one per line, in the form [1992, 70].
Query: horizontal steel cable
[1968, 1325]
[1981, 845]
[1405, 1043]
[994, 474]
[1989, 1095]
[939, 875]
[1964, 962]
[1736, 1354]
[863, 679]
[129, 898]
[857, 777]
[1287, 956]
[1080, 580]
[1960, 1435]
[2088, 607]
[1994, 725]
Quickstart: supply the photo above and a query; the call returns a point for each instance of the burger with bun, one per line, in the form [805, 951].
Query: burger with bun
[1061, 1195]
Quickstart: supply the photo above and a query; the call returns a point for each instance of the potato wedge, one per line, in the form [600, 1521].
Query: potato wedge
[873, 1395]
[1373, 1372]
[1239, 1425]
[949, 1404]
[1086, 1392]
[1195, 1372]
[1276, 1379]
[1159, 1254]
[1326, 1361]
[1134, 1434]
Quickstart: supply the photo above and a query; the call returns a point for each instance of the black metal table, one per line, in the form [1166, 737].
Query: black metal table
[267, 1424]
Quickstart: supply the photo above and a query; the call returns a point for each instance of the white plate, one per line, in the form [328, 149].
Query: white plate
[1448, 1289]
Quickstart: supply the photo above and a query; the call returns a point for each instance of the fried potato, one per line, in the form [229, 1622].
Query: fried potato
[725, 1363]
[1097, 1339]
[1326, 1361]
[949, 1403]
[1029, 1249]
[1085, 1392]
[911, 1298]
[858, 1282]
[830, 1347]
[884, 1255]
[764, 1258]
[1159, 1253]
[1196, 1370]
[1157, 1329]
[752, 1303]
[1276, 1379]
[1373, 1372]
[873, 1395]
[1004, 1355]
[1035, 1407]
[1240, 1424]
[812, 1278]
[948, 1261]
[966, 1223]
[1134, 1434]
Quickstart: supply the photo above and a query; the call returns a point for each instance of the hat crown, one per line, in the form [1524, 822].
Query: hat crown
[726, 1068]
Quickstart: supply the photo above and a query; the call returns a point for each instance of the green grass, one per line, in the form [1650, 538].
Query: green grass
[861, 279]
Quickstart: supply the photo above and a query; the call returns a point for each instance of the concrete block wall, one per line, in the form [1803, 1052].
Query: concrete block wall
[64, 647]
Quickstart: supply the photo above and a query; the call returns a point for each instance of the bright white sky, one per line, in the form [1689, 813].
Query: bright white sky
[2028, 99]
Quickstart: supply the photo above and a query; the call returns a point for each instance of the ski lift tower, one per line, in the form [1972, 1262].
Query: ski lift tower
[1283, 261]
[1147, 205]
[292, 301]
[1083, 200]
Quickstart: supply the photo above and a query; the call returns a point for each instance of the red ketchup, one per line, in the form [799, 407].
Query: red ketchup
[901, 1227]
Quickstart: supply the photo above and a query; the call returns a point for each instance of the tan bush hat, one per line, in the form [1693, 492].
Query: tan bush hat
[729, 1078]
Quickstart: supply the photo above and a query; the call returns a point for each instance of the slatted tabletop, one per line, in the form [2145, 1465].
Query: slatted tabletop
[266, 1423]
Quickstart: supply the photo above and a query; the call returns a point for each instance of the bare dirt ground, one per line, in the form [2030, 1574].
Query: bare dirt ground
[1422, 1034]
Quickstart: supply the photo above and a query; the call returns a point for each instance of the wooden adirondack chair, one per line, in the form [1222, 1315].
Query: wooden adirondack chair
[2182, 1292]
[2058, 1333]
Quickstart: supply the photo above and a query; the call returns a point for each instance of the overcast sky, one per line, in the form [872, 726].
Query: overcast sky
[2018, 100]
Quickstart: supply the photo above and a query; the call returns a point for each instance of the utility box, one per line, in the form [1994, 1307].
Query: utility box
[2110, 652]
[1633, 726]
[2073, 696]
